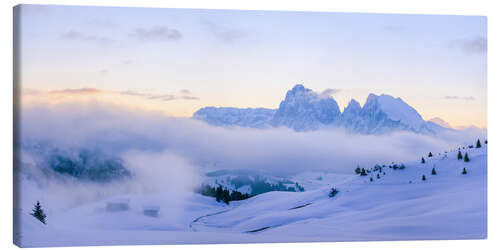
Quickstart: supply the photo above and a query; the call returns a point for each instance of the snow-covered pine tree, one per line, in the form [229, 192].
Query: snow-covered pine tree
[363, 172]
[433, 171]
[423, 160]
[333, 192]
[226, 197]
[357, 170]
[464, 171]
[459, 156]
[218, 194]
[478, 144]
[423, 178]
[38, 212]
[430, 154]
[466, 157]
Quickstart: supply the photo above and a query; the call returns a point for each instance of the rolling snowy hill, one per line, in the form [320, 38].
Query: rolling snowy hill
[305, 110]
[397, 206]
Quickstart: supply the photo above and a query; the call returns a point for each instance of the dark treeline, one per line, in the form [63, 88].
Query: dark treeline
[222, 194]
[261, 186]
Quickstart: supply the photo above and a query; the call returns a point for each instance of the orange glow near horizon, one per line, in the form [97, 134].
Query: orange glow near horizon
[185, 108]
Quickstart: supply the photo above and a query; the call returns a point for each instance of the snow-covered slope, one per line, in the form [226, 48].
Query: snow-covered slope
[397, 206]
[305, 110]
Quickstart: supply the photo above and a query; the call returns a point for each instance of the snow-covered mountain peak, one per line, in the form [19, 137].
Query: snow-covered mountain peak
[353, 107]
[304, 109]
[299, 94]
[299, 88]
[396, 110]
[440, 122]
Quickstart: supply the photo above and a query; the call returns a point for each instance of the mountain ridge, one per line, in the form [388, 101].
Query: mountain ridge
[306, 110]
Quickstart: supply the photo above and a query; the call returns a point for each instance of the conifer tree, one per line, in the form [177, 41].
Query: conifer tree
[38, 212]
[423, 178]
[358, 170]
[466, 157]
[485, 141]
[459, 155]
[333, 192]
[423, 160]
[371, 179]
[378, 176]
[464, 171]
[478, 144]
[433, 171]
[430, 154]
[363, 172]
[218, 194]
[226, 197]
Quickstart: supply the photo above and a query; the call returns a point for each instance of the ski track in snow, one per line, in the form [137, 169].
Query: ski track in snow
[203, 216]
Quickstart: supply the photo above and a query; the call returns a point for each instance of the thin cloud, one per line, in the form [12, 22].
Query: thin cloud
[159, 33]
[465, 98]
[184, 95]
[133, 93]
[225, 34]
[331, 91]
[190, 98]
[163, 97]
[76, 91]
[79, 36]
[478, 45]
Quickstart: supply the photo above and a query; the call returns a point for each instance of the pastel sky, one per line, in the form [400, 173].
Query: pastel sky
[179, 60]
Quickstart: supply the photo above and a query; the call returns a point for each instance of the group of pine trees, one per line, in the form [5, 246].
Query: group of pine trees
[222, 194]
[460, 157]
[377, 168]
[363, 172]
[360, 171]
[433, 172]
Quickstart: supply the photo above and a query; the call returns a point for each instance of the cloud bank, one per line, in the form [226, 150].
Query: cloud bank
[167, 156]
[118, 131]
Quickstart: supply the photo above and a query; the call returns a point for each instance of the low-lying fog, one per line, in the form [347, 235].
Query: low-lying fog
[170, 153]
